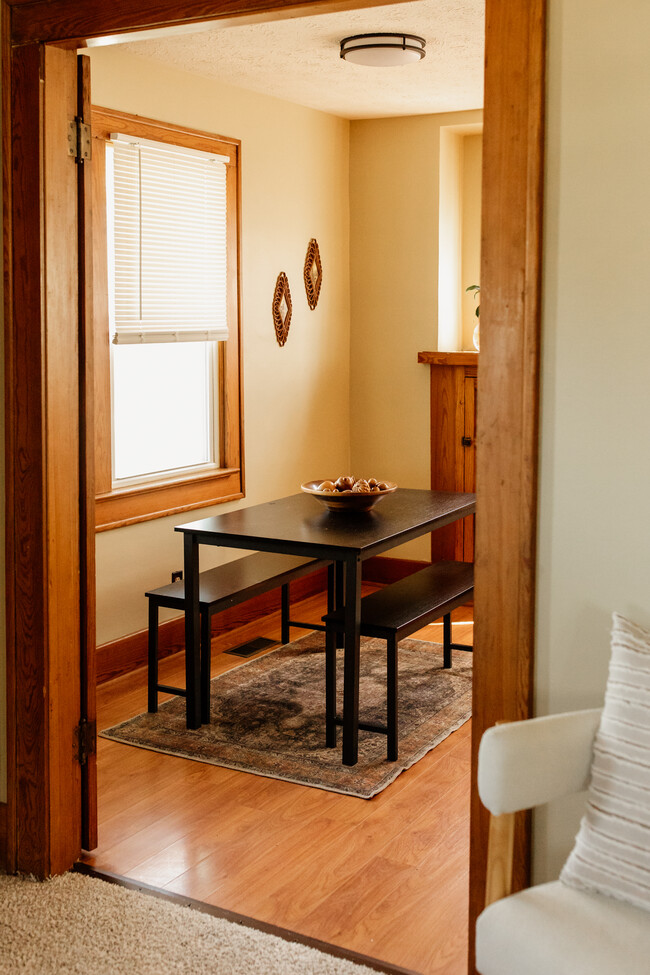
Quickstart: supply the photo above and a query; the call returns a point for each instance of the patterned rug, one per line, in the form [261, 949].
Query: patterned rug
[268, 715]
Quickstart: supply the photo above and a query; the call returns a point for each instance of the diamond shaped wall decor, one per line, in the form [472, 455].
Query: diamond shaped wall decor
[282, 308]
[313, 273]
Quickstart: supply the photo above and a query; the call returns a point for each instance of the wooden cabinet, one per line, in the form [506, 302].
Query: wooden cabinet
[453, 443]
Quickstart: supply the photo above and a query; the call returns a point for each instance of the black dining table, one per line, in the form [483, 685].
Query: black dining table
[301, 525]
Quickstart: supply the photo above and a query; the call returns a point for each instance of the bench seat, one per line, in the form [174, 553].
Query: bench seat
[220, 589]
[393, 613]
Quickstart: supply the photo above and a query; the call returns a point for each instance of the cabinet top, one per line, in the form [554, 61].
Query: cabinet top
[448, 358]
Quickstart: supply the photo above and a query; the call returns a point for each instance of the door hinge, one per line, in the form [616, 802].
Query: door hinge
[467, 441]
[85, 740]
[79, 140]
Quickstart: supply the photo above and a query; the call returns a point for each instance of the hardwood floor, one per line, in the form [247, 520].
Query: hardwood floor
[387, 877]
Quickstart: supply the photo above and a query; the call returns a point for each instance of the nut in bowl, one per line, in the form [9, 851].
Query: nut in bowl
[348, 493]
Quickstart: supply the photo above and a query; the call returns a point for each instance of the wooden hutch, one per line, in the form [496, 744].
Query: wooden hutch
[453, 443]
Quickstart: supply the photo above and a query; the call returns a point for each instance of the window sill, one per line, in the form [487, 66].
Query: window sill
[128, 506]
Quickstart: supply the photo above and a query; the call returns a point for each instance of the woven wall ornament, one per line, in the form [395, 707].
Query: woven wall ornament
[313, 273]
[282, 308]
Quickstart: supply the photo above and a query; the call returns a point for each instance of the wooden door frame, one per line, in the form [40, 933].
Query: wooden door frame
[509, 383]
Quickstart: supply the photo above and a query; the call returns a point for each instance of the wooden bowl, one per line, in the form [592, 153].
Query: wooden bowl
[347, 501]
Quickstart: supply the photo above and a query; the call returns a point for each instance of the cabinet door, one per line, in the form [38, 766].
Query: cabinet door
[453, 451]
[469, 461]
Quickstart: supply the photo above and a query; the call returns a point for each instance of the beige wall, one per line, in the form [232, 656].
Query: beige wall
[594, 541]
[294, 187]
[394, 207]
[459, 234]
[450, 244]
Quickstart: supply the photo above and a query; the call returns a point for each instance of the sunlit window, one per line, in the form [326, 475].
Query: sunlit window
[168, 269]
[168, 403]
[164, 409]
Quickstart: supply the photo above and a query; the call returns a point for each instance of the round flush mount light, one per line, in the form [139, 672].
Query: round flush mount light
[383, 50]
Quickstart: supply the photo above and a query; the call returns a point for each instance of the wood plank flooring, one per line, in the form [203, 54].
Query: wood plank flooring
[386, 877]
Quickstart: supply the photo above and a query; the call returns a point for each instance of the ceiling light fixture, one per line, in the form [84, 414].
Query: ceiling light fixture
[383, 50]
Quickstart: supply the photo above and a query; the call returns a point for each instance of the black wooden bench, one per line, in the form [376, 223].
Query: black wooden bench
[219, 589]
[393, 613]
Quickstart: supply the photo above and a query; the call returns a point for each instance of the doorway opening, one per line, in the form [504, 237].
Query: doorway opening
[236, 809]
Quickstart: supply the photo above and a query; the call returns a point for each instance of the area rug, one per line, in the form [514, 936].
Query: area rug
[268, 715]
[80, 925]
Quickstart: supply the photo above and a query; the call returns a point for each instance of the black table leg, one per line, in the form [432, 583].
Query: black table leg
[339, 595]
[192, 634]
[351, 661]
[331, 587]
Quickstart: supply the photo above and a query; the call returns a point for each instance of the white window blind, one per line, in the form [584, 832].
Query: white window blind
[167, 242]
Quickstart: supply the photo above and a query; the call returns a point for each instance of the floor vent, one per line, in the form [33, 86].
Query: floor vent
[253, 646]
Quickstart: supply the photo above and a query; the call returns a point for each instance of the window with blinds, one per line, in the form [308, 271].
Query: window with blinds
[167, 240]
[166, 278]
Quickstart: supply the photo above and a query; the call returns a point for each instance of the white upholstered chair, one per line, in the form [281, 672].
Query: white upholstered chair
[549, 929]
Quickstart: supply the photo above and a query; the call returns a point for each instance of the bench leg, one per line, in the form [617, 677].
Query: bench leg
[446, 640]
[152, 674]
[285, 600]
[206, 664]
[391, 696]
[330, 688]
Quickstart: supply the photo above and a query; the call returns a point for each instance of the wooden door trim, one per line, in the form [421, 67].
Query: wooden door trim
[509, 380]
[87, 472]
[25, 465]
[7, 850]
[67, 21]
[510, 288]
[42, 465]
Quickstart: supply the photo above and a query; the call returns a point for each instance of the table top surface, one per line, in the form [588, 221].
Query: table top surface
[300, 523]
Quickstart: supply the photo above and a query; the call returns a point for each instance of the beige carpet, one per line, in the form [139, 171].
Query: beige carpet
[78, 925]
[268, 715]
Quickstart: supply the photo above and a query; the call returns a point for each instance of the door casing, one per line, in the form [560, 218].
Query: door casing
[507, 435]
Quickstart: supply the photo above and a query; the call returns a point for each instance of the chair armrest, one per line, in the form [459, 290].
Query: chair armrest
[522, 764]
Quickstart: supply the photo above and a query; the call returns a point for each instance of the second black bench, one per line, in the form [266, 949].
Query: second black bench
[219, 589]
[393, 613]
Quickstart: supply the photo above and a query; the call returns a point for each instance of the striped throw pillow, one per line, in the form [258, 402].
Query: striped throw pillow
[612, 849]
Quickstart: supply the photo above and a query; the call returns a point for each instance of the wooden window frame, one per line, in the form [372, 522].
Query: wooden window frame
[116, 507]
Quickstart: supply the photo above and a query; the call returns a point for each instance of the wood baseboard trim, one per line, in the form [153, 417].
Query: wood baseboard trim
[127, 653]
[3, 836]
[130, 652]
[242, 919]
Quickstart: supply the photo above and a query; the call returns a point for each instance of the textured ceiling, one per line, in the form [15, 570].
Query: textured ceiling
[298, 60]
